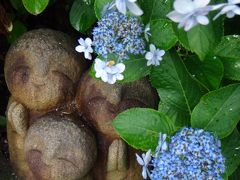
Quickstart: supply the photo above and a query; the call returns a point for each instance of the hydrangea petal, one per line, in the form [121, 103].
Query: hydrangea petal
[88, 41]
[144, 172]
[81, 41]
[202, 20]
[121, 67]
[237, 10]
[104, 76]
[139, 160]
[230, 14]
[234, 1]
[160, 52]
[119, 77]
[121, 6]
[134, 8]
[183, 6]
[149, 55]
[147, 157]
[80, 48]
[175, 16]
[201, 3]
[152, 48]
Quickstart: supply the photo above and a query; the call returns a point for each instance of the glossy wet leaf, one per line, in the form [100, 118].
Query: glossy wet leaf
[209, 72]
[35, 7]
[155, 9]
[162, 34]
[229, 53]
[218, 111]
[140, 127]
[231, 151]
[135, 68]
[201, 39]
[178, 91]
[82, 16]
[99, 6]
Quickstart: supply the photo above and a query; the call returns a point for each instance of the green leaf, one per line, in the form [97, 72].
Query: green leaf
[178, 91]
[235, 175]
[35, 7]
[155, 9]
[99, 5]
[140, 127]
[231, 151]
[3, 121]
[18, 5]
[136, 68]
[229, 53]
[18, 29]
[201, 39]
[162, 34]
[82, 16]
[209, 72]
[218, 111]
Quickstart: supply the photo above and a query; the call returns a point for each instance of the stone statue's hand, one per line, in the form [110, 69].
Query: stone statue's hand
[17, 115]
[117, 159]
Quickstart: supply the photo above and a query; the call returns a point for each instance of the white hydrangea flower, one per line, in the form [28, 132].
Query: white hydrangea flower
[146, 32]
[154, 56]
[86, 47]
[144, 161]
[109, 71]
[230, 9]
[123, 5]
[189, 13]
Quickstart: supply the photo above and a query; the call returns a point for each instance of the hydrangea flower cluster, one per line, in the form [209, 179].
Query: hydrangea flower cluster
[118, 34]
[189, 13]
[192, 154]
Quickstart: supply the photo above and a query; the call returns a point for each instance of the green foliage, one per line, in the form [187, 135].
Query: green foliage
[18, 5]
[35, 7]
[209, 72]
[229, 53]
[201, 39]
[136, 68]
[3, 121]
[231, 151]
[99, 6]
[140, 127]
[178, 91]
[162, 34]
[82, 16]
[18, 29]
[155, 9]
[218, 111]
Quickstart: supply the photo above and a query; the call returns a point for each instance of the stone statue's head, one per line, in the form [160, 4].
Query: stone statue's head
[59, 148]
[41, 69]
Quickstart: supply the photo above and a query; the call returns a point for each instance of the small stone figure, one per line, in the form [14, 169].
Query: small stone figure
[100, 103]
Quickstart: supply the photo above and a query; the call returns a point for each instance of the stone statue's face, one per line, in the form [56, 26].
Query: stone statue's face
[41, 73]
[56, 148]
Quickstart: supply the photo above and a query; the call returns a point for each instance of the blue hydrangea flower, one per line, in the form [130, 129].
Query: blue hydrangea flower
[118, 34]
[192, 154]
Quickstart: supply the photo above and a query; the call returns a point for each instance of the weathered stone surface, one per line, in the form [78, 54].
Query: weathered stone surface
[59, 148]
[41, 69]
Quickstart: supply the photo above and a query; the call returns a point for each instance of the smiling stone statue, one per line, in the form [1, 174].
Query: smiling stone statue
[59, 123]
